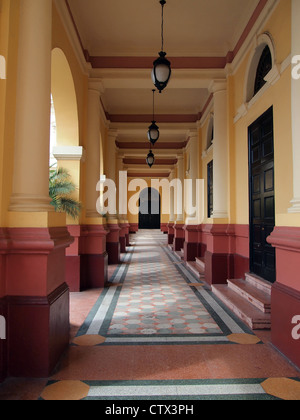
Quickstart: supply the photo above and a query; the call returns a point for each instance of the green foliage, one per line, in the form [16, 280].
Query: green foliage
[60, 189]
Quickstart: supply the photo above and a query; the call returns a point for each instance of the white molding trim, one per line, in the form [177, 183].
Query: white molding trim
[75, 153]
[72, 35]
[254, 33]
[271, 79]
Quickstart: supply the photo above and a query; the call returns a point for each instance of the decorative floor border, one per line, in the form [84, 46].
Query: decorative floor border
[99, 319]
[177, 390]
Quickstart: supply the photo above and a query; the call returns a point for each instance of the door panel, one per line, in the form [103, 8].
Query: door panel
[149, 216]
[262, 196]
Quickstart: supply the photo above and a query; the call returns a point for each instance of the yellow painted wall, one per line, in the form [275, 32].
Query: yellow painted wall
[278, 96]
[165, 218]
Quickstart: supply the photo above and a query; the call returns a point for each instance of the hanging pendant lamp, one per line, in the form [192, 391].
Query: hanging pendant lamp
[150, 159]
[161, 72]
[153, 131]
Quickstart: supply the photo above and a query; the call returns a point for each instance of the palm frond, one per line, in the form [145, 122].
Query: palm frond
[60, 189]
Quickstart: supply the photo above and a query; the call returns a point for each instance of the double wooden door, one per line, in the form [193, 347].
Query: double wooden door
[262, 196]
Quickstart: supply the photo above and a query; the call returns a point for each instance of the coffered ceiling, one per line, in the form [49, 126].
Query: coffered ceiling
[120, 40]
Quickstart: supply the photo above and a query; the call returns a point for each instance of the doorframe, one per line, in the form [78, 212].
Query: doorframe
[250, 186]
[160, 205]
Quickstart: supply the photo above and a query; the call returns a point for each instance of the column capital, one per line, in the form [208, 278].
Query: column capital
[96, 85]
[193, 133]
[74, 153]
[217, 85]
[112, 134]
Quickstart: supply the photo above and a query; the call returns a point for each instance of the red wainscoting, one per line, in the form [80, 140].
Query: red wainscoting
[286, 291]
[35, 300]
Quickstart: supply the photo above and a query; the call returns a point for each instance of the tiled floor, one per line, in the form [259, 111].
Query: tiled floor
[155, 332]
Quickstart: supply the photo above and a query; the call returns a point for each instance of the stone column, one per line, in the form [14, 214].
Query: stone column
[221, 150]
[172, 211]
[31, 155]
[36, 293]
[191, 223]
[179, 223]
[93, 150]
[113, 237]
[295, 108]
[218, 257]
[124, 229]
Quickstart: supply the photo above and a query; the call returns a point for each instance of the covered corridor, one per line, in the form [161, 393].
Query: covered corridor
[157, 332]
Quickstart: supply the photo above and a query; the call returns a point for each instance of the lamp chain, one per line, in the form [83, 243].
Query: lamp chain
[162, 27]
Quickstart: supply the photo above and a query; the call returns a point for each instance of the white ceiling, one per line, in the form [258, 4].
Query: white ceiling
[132, 27]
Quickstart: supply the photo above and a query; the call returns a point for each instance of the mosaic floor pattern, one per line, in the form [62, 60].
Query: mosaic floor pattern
[154, 299]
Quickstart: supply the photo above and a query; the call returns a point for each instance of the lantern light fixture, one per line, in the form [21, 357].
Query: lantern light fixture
[161, 72]
[150, 159]
[153, 131]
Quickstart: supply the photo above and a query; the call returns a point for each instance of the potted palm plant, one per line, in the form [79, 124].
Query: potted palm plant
[61, 188]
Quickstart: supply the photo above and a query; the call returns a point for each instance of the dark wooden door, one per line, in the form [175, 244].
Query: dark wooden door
[149, 215]
[262, 196]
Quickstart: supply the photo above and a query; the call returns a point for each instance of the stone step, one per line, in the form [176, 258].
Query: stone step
[248, 313]
[252, 294]
[194, 267]
[179, 255]
[201, 263]
[259, 283]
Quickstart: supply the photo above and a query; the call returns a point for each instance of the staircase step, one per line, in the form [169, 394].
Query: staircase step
[252, 294]
[259, 283]
[179, 255]
[248, 313]
[201, 263]
[194, 267]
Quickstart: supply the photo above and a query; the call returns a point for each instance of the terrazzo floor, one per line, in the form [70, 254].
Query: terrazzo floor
[156, 333]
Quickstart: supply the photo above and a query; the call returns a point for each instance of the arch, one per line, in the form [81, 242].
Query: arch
[150, 209]
[64, 100]
[264, 46]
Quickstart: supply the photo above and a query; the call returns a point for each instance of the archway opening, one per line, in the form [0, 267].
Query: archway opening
[64, 100]
[150, 209]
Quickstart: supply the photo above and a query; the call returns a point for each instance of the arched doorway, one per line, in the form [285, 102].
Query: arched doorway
[150, 209]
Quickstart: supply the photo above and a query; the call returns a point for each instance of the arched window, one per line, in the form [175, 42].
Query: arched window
[262, 62]
[263, 68]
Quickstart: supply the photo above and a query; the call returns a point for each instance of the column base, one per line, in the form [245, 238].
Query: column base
[286, 306]
[191, 242]
[113, 245]
[114, 252]
[178, 237]
[164, 227]
[38, 333]
[122, 233]
[86, 259]
[134, 227]
[218, 268]
[286, 292]
[93, 271]
[170, 233]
